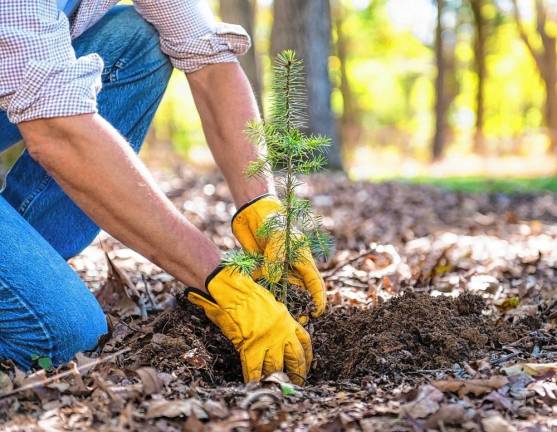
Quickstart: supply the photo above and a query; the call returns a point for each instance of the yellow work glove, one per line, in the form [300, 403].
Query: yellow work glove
[265, 335]
[245, 224]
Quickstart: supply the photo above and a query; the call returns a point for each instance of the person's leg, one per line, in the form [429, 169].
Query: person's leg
[134, 80]
[9, 133]
[45, 309]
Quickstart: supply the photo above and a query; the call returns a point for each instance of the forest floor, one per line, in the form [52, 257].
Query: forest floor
[442, 316]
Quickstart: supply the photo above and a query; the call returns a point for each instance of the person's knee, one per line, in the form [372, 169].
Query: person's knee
[59, 338]
[78, 330]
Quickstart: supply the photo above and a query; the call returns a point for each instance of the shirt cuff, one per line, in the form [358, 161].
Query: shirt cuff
[221, 46]
[57, 90]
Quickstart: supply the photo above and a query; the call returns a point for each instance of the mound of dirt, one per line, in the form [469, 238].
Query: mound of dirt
[184, 342]
[409, 333]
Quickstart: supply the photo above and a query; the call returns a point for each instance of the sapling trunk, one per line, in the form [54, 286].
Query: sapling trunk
[289, 154]
[288, 193]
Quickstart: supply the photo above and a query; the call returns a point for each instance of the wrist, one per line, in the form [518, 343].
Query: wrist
[252, 189]
[249, 203]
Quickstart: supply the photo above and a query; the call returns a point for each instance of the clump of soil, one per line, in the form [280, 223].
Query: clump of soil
[298, 302]
[186, 343]
[408, 333]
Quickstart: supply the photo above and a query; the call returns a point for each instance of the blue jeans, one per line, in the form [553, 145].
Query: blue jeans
[45, 309]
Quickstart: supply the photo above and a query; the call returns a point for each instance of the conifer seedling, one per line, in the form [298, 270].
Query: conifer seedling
[288, 153]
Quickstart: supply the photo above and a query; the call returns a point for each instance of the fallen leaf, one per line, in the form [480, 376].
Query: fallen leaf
[264, 398]
[193, 424]
[6, 384]
[508, 304]
[518, 384]
[152, 384]
[84, 363]
[215, 409]
[500, 401]
[532, 369]
[477, 387]
[497, 423]
[175, 408]
[452, 414]
[118, 293]
[238, 420]
[545, 389]
[277, 378]
[426, 402]
[483, 283]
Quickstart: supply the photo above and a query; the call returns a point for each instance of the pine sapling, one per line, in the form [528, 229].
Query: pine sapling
[288, 154]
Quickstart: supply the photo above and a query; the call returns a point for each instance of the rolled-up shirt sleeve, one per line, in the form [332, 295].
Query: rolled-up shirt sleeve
[190, 35]
[40, 76]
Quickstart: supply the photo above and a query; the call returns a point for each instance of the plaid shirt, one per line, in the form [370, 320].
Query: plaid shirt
[40, 76]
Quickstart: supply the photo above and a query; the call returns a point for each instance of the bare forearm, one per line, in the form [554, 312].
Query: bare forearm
[97, 169]
[226, 104]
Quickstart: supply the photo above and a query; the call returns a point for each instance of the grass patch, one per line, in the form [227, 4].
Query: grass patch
[486, 184]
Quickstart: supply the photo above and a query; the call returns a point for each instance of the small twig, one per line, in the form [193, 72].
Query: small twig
[253, 397]
[549, 348]
[427, 371]
[519, 341]
[353, 285]
[347, 262]
[550, 307]
[150, 297]
[64, 374]
[351, 277]
[135, 329]
[504, 358]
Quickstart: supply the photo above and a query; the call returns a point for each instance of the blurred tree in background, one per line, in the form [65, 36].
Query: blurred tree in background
[545, 58]
[305, 27]
[446, 85]
[480, 36]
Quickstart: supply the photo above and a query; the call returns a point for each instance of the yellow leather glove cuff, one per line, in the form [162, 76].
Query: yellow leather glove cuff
[245, 224]
[265, 335]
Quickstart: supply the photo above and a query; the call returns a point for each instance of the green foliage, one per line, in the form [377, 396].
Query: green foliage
[288, 153]
[243, 261]
[41, 362]
[490, 185]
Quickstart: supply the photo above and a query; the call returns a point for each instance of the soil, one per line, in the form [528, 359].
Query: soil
[298, 302]
[410, 333]
[185, 329]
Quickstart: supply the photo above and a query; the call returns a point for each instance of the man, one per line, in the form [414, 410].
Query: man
[78, 91]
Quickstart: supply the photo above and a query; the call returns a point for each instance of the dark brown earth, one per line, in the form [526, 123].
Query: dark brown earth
[410, 333]
[185, 329]
[210, 356]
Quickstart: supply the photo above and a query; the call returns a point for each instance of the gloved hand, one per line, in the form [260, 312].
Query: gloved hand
[261, 329]
[245, 224]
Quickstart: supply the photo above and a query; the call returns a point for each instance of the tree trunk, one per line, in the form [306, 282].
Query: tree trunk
[546, 61]
[242, 12]
[349, 121]
[305, 27]
[479, 61]
[438, 143]
[551, 108]
[549, 74]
